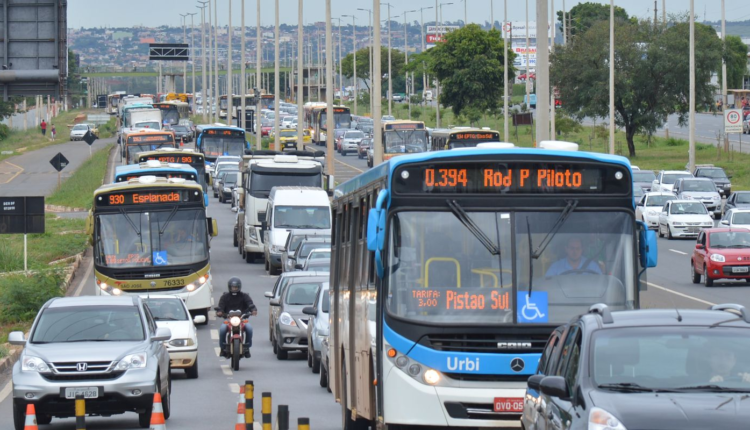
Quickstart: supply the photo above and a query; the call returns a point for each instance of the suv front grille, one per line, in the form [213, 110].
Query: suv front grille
[489, 343]
[89, 367]
[91, 370]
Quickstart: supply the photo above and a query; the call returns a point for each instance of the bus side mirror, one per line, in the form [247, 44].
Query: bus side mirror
[213, 227]
[205, 199]
[647, 248]
[376, 230]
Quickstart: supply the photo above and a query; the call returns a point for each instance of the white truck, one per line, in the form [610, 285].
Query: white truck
[137, 118]
[262, 171]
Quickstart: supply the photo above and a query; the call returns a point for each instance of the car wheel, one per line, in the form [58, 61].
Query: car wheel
[323, 377]
[707, 281]
[236, 354]
[144, 419]
[235, 242]
[166, 405]
[43, 419]
[315, 363]
[192, 371]
[669, 233]
[309, 357]
[696, 276]
[661, 234]
[19, 415]
[281, 353]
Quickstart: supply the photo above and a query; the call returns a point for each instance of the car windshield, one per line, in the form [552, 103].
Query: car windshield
[704, 186]
[302, 217]
[318, 255]
[232, 177]
[80, 127]
[712, 173]
[262, 182]
[146, 239]
[354, 135]
[288, 133]
[215, 146]
[405, 141]
[301, 294]
[741, 218]
[681, 358]
[687, 208]
[588, 261]
[670, 178]
[643, 176]
[742, 198]
[319, 266]
[89, 324]
[180, 128]
[306, 248]
[729, 239]
[166, 309]
[659, 200]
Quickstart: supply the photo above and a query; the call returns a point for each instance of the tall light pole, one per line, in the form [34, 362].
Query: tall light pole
[611, 76]
[230, 98]
[209, 61]
[691, 156]
[421, 29]
[528, 61]
[406, 61]
[724, 71]
[466, 19]
[192, 50]
[492, 15]
[276, 96]
[552, 93]
[258, 58]
[354, 48]
[377, 143]
[329, 91]
[216, 61]
[390, 81]
[369, 58]
[300, 88]
[184, 64]
[243, 77]
[341, 77]
[505, 70]
[203, 60]
[542, 71]
[437, 82]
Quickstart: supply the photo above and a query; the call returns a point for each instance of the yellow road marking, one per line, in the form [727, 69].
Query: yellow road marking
[17, 173]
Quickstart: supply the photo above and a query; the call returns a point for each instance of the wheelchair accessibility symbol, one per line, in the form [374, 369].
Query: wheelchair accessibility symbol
[534, 308]
[160, 258]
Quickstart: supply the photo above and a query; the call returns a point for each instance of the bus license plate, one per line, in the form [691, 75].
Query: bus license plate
[88, 392]
[739, 270]
[508, 404]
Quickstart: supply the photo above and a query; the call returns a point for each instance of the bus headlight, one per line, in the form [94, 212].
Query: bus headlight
[402, 361]
[103, 286]
[202, 280]
[431, 376]
[116, 291]
[190, 287]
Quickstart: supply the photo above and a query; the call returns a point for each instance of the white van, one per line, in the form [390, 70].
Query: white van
[292, 208]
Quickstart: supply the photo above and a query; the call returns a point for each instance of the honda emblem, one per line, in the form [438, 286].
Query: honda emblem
[82, 367]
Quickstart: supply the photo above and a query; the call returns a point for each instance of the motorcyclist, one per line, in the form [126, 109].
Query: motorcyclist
[235, 299]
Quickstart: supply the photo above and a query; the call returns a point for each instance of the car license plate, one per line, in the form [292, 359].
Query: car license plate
[88, 392]
[508, 404]
[693, 229]
[739, 269]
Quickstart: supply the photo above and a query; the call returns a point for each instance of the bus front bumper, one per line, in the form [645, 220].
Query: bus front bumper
[199, 299]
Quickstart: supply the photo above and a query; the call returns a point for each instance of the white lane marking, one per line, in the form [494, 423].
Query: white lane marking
[211, 316]
[680, 294]
[218, 351]
[85, 278]
[225, 369]
[214, 334]
[678, 252]
[5, 392]
[234, 388]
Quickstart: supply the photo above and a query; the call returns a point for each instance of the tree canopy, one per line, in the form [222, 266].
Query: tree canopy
[469, 67]
[735, 55]
[651, 73]
[363, 65]
[583, 16]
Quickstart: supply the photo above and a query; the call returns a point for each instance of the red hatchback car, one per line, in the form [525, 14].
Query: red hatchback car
[721, 253]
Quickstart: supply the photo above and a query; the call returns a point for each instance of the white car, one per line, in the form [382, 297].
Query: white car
[665, 180]
[683, 218]
[649, 207]
[172, 313]
[287, 121]
[78, 131]
[736, 218]
[350, 141]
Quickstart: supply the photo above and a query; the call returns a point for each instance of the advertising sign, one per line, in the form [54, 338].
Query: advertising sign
[435, 34]
[517, 29]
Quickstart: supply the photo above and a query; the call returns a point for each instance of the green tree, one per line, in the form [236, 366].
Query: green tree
[651, 73]
[469, 67]
[584, 15]
[735, 54]
[363, 66]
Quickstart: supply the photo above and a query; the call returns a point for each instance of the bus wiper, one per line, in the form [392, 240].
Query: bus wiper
[472, 227]
[569, 208]
[132, 224]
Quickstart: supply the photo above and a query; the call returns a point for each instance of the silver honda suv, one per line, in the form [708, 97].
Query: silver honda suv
[106, 348]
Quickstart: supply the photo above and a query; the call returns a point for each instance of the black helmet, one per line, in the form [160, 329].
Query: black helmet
[234, 285]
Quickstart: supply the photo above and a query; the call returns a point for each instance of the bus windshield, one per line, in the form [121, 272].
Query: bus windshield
[340, 120]
[151, 238]
[217, 146]
[170, 115]
[261, 183]
[401, 141]
[134, 149]
[588, 261]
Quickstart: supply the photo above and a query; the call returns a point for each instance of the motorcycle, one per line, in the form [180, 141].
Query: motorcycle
[236, 337]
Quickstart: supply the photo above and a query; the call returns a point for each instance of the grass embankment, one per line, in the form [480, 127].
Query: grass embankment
[76, 191]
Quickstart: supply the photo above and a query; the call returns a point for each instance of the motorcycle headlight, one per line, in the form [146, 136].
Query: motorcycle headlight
[599, 419]
[34, 364]
[132, 361]
[181, 342]
[718, 258]
[235, 321]
[287, 319]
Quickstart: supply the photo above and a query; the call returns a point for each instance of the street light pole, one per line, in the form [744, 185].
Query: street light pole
[329, 92]
[341, 77]
[406, 61]
[276, 92]
[612, 76]
[230, 98]
[203, 60]
[421, 29]
[691, 156]
[192, 50]
[437, 82]
[256, 90]
[505, 69]
[216, 61]
[390, 81]
[354, 48]
[369, 58]
[377, 143]
[243, 77]
[552, 93]
[542, 71]
[724, 72]
[184, 64]
[300, 93]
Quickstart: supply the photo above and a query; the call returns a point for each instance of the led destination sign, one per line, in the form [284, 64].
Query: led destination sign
[484, 136]
[146, 197]
[478, 299]
[219, 132]
[152, 138]
[182, 159]
[513, 178]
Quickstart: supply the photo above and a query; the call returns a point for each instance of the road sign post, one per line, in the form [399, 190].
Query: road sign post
[22, 215]
[59, 162]
[89, 138]
[733, 121]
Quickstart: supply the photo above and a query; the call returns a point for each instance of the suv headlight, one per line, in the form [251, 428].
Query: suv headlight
[718, 258]
[677, 224]
[716, 198]
[133, 361]
[181, 342]
[599, 419]
[34, 364]
[287, 319]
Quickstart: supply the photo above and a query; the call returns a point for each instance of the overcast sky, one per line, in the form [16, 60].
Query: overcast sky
[153, 13]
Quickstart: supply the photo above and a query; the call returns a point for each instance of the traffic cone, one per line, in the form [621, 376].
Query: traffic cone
[241, 410]
[157, 414]
[30, 423]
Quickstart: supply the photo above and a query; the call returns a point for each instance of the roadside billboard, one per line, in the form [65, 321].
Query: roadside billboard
[435, 34]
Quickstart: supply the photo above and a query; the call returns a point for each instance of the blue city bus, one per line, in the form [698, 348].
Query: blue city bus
[180, 156]
[450, 270]
[159, 169]
[215, 140]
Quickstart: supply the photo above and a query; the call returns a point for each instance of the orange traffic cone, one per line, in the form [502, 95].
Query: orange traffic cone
[157, 414]
[241, 410]
[30, 423]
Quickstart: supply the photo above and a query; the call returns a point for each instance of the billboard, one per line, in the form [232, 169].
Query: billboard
[517, 29]
[435, 34]
[520, 61]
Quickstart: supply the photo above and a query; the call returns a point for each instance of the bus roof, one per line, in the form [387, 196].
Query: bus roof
[153, 166]
[201, 127]
[387, 168]
[149, 182]
[161, 151]
[449, 131]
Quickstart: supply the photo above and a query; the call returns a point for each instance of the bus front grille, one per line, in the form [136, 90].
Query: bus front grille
[151, 273]
[475, 377]
[525, 343]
